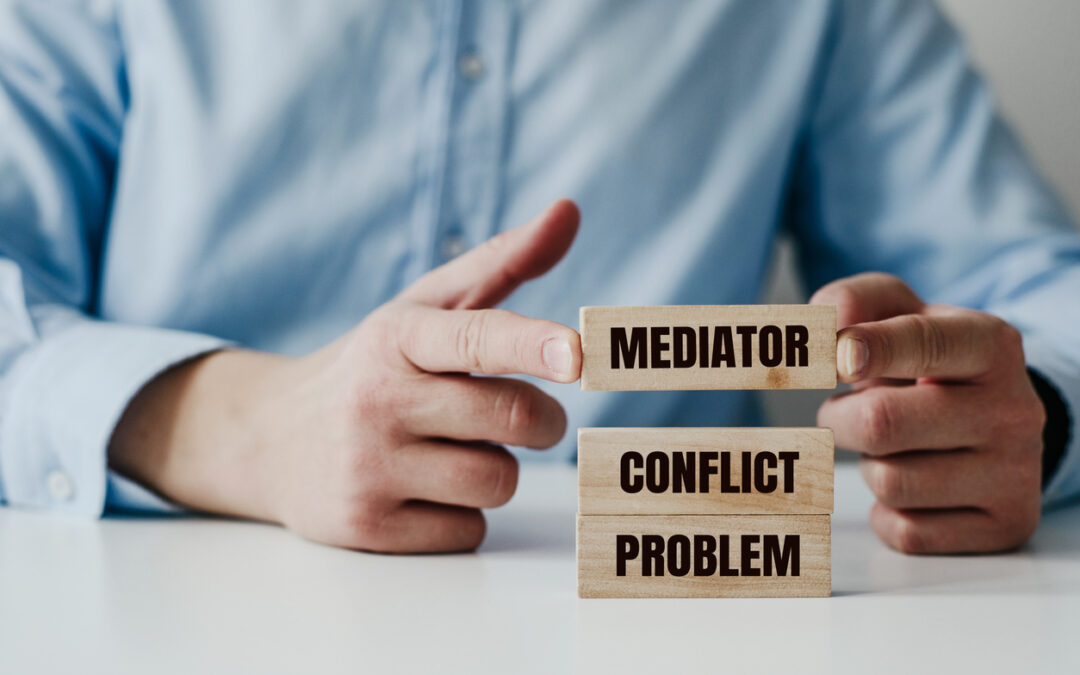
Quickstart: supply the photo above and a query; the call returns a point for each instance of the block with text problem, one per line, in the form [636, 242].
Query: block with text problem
[624, 471]
[732, 556]
[691, 347]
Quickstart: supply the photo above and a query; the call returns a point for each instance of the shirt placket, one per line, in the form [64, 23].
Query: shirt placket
[471, 185]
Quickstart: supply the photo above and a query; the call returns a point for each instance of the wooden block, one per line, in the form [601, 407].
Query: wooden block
[709, 347]
[703, 556]
[624, 471]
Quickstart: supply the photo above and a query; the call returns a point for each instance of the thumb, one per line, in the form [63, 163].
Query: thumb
[863, 298]
[489, 273]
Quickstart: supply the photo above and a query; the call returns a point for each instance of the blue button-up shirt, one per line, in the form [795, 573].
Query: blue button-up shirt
[179, 175]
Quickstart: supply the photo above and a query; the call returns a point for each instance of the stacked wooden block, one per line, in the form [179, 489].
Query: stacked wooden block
[706, 512]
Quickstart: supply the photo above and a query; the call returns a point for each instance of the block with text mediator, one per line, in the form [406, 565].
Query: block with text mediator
[708, 347]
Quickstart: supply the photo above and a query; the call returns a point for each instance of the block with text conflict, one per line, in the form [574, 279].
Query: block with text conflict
[624, 471]
[704, 556]
[708, 347]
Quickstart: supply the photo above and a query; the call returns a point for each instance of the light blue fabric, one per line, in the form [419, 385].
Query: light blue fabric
[175, 176]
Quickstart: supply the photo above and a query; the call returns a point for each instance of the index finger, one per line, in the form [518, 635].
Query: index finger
[489, 342]
[870, 296]
[489, 273]
[956, 345]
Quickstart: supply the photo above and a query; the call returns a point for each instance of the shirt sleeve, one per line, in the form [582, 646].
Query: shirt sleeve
[905, 167]
[65, 377]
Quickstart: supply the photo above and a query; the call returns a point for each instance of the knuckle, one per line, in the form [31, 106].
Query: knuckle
[383, 329]
[366, 469]
[366, 400]
[365, 523]
[1030, 415]
[495, 245]
[526, 350]
[889, 484]
[908, 537]
[898, 286]
[1023, 420]
[1021, 416]
[494, 476]
[468, 339]
[1006, 336]
[931, 337]
[890, 279]
[371, 400]
[1017, 524]
[1024, 476]
[471, 339]
[503, 479]
[878, 424]
[518, 409]
[837, 293]
[357, 465]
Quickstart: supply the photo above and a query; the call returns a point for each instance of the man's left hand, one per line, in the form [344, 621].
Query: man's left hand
[944, 414]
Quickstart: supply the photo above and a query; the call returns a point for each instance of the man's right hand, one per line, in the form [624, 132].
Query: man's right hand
[384, 440]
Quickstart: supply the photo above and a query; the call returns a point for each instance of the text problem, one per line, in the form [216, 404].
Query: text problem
[704, 556]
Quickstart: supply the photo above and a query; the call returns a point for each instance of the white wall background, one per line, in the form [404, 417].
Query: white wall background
[1029, 50]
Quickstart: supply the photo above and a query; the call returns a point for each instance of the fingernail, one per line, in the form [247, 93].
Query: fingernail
[852, 356]
[557, 357]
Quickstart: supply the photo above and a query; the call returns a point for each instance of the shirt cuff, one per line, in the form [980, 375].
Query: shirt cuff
[63, 399]
[1064, 374]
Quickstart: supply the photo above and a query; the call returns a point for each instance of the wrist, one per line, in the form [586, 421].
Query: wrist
[193, 434]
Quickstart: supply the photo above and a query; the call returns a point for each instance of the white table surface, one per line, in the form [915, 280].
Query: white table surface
[193, 595]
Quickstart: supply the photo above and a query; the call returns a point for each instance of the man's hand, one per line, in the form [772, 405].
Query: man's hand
[382, 440]
[944, 414]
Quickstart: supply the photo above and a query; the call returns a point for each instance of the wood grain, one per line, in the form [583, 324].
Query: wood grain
[708, 347]
[657, 461]
[599, 546]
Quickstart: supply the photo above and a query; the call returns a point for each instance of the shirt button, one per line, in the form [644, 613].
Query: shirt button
[452, 246]
[60, 486]
[471, 66]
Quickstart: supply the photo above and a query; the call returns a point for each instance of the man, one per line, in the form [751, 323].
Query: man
[231, 231]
